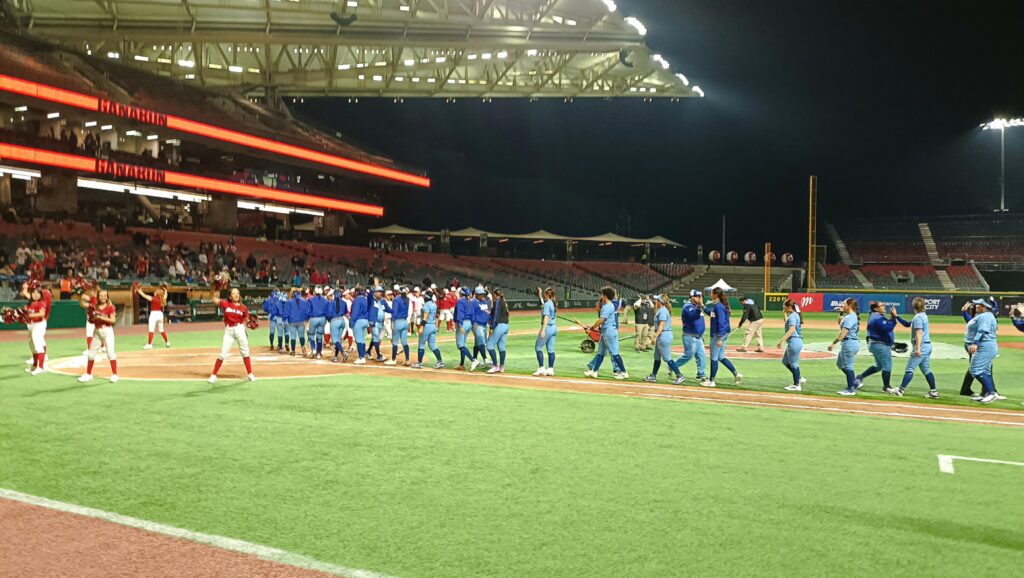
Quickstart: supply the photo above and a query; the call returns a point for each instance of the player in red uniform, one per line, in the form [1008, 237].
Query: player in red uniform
[102, 314]
[38, 307]
[157, 301]
[235, 316]
[446, 309]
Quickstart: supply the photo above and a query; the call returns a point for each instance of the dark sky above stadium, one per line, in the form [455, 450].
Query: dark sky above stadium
[882, 100]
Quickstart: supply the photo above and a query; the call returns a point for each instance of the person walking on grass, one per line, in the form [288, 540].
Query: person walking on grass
[428, 331]
[983, 349]
[693, 335]
[754, 319]
[609, 345]
[643, 315]
[921, 351]
[880, 343]
[849, 329]
[719, 312]
[794, 340]
[548, 333]
[498, 332]
[970, 311]
[663, 341]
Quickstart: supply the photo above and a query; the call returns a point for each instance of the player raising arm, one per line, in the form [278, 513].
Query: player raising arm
[236, 316]
[157, 302]
[102, 315]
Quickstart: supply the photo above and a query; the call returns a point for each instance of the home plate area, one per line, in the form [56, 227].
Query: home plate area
[196, 364]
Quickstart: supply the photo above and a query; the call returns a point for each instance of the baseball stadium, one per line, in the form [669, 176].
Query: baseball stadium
[425, 288]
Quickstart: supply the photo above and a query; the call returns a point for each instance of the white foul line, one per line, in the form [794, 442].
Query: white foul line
[231, 544]
[946, 462]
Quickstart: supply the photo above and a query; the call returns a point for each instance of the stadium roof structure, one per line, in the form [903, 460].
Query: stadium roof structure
[541, 235]
[373, 48]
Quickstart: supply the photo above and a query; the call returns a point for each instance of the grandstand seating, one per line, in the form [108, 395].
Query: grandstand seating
[966, 278]
[673, 271]
[836, 276]
[744, 279]
[982, 239]
[634, 276]
[921, 277]
[884, 241]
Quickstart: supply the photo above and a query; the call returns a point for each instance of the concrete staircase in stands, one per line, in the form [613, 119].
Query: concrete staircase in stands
[929, 244]
[944, 278]
[864, 281]
[844, 254]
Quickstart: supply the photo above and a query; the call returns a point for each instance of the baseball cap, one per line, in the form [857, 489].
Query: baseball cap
[695, 293]
[466, 291]
[480, 291]
[658, 297]
[984, 302]
[416, 289]
[330, 291]
[378, 289]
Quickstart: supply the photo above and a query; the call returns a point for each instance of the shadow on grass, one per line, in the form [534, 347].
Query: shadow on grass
[219, 387]
[76, 387]
[946, 530]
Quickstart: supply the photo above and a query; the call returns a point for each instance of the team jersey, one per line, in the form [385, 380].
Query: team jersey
[36, 307]
[430, 308]
[157, 304]
[107, 310]
[234, 313]
[852, 325]
[793, 320]
[693, 320]
[548, 310]
[317, 306]
[663, 319]
[481, 312]
[47, 302]
[984, 327]
[920, 321]
[720, 325]
[609, 325]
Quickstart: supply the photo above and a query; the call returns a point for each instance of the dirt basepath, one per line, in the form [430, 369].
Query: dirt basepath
[37, 541]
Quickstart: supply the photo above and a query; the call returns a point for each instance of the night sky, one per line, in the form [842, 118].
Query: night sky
[882, 100]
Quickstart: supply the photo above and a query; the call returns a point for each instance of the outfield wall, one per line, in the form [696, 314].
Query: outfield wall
[936, 302]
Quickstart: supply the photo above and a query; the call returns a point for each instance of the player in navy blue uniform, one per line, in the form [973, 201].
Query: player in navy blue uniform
[317, 323]
[337, 318]
[296, 314]
[270, 306]
[360, 319]
[480, 312]
[880, 342]
[399, 310]
[463, 326]
[499, 332]
[719, 312]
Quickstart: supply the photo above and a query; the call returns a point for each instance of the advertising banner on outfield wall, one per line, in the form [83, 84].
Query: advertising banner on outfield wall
[889, 299]
[834, 301]
[810, 302]
[933, 304]
[774, 301]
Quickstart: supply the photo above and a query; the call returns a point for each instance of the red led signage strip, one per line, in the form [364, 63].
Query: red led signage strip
[91, 165]
[67, 97]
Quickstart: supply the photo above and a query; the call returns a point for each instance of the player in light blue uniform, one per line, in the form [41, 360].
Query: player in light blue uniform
[720, 331]
[279, 320]
[428, 331]
[360, 319]
[548, 333]
[663, 341]
[609, 344]
[920, 350]
[794, 340]
[297, 313]
[317, 323]
[377, 321]
[399, 310]
[693, 335]
[270, 305]
[849, 329]
[984, 348]
[463, 326]
[337, 316]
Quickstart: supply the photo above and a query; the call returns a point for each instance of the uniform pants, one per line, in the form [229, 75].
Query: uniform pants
[754, 332]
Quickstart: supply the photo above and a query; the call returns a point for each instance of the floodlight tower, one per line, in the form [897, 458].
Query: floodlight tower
[1002, 124]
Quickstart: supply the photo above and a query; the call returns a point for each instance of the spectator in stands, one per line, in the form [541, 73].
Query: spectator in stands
[755, 320]
[65, 285]
[643, 313]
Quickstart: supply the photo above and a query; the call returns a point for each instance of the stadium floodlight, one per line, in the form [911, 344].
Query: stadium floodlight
[661, 60]
[637, 25]
[610, 5]
[698, 90]
[1001, 124]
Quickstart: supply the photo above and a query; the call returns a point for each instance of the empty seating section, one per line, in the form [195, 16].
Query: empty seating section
[632, 275]
[982, 238]
[838, 276]
[965, 278]
[884, 241]
[38, 66]
[903, 277]
[673, 271]
[744, 279]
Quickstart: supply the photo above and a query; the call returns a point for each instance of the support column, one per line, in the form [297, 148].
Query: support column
[222, 215]
[56, 193]
[333, 225]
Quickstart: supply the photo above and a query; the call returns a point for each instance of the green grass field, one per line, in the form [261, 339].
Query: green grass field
[431, 478]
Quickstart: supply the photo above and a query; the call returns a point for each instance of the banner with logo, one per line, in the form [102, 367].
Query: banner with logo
[810, 302]
[890, 300]
[834, 301]
[933, 304]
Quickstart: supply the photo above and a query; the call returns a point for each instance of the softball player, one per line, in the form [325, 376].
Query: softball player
[235, 317]
[693, 335]
[984, 348]
[794, 340]
[399, 310]
[548, 332]
[90, 328]
[609, 344]
[317, 322]
[849, 328]
[480, 311]
[38, 312]
[270, 308]
[280, 323]
[416, 301]
[446, 308]
[428, 331]
[880, 342]
[337, 318]
[157, 302]
[102, 314]
[921, 352]
[296, 314]
[720, 329]
[463, 326]
[376, 320]
[360, 319]
[499, 332]
[663, 341]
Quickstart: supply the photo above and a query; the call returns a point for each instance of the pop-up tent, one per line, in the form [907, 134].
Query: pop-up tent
[721, 284]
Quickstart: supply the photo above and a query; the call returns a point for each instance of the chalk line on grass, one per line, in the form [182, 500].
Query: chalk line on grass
[231, 544]
[946, 462]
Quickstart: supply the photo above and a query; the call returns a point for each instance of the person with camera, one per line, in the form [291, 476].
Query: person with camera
[643, 318]
[881, 340]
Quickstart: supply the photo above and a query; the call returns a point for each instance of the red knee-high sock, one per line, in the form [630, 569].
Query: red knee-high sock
[88, 342]
[35, 360]
[150, 342]
[216, 366]
[248, 365]
[88, 367]
[113, 366]
[164, 335]
[40, 358]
